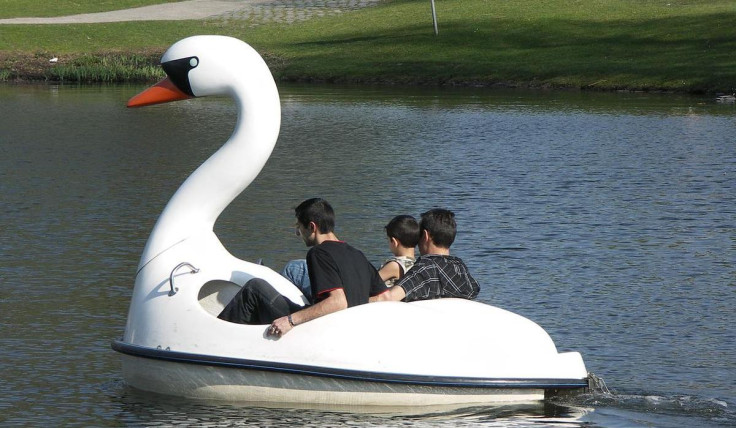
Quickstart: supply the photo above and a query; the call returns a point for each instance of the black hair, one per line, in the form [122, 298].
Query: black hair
[316, 210]
[441, 226]
[405, 229]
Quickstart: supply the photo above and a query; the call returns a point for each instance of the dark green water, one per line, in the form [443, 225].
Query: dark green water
[609, 219]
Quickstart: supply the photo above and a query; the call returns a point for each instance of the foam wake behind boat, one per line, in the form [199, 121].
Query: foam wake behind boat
[445, 351]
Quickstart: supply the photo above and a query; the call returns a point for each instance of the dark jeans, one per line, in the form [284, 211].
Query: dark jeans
[257, 303]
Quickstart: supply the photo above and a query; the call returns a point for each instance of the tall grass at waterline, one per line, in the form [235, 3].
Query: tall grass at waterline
[677, 45]
[107, 69]
[34, 8]
[112, 67]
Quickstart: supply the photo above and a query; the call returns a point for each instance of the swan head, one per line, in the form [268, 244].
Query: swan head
[201, 66]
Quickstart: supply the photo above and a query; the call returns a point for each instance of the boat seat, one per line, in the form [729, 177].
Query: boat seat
[215, 294]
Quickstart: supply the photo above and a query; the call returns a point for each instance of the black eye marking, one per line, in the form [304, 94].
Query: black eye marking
[178, 72]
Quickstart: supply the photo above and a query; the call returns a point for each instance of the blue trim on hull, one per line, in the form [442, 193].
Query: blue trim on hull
[354, 375]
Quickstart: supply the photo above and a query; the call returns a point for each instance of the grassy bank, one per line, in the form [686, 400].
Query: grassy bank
[672, 45]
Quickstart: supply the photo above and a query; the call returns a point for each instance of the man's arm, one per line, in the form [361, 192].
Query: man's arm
[394, 293]
[390, 270]
[413, 278]
[335, 301]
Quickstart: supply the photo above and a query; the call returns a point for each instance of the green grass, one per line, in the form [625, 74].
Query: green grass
[46, 8]
[672, 45]
[108, 68]
[605, 43]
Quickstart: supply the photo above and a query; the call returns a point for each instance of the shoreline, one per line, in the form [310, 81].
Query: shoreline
[38, 68]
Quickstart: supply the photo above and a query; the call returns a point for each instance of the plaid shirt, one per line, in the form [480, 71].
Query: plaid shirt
[436, 276]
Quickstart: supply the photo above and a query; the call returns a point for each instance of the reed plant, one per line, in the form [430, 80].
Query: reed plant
[109, 68]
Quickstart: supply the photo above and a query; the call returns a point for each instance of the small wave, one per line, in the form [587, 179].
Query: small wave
[665, 410]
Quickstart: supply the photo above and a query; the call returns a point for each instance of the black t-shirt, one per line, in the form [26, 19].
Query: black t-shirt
[335, 264]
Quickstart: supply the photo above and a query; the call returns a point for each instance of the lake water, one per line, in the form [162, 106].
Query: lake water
[609, 219]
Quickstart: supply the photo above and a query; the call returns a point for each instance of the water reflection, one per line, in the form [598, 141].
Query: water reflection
[162, 410]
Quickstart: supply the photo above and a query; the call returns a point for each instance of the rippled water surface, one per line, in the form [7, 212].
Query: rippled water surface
[609, 219]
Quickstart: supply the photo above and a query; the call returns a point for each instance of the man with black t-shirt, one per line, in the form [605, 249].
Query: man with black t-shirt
[340, 277]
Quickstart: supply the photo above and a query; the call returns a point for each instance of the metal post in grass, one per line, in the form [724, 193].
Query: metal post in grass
[434, 18]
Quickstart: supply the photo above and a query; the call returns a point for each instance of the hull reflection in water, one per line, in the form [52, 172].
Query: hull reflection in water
[158, 408]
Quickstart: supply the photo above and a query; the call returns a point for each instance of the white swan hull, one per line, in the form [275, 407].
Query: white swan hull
[227, 381]
[435, 352]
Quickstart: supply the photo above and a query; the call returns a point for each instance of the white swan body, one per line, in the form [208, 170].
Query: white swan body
[174, 343]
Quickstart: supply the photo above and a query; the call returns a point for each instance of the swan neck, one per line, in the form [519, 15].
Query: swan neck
[199, 201]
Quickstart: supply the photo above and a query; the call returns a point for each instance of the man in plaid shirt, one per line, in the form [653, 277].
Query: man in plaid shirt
[436, 273]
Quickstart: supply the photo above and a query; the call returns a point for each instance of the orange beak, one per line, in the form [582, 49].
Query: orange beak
[162, 92]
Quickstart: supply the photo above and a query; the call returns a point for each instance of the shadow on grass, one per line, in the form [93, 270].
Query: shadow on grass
[674, 53]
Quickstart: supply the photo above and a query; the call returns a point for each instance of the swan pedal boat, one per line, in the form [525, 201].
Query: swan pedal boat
[436, 352]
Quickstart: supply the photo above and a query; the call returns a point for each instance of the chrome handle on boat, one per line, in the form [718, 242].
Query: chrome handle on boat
[171, 277]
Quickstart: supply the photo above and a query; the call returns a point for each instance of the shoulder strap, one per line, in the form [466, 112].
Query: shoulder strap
[402, 272]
